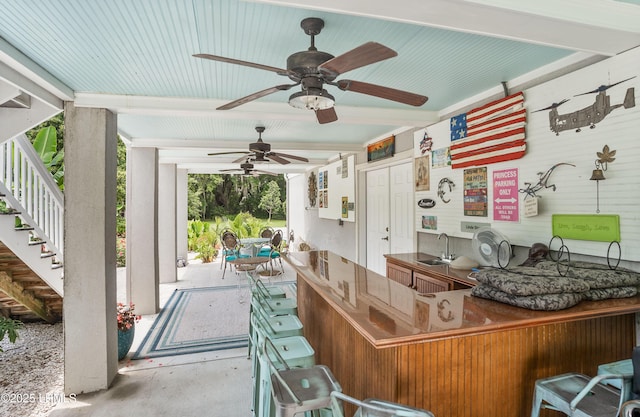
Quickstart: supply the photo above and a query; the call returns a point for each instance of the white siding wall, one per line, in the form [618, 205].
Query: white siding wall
[575, 194]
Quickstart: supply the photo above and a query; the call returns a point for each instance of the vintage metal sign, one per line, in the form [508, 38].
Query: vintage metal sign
[426, 203]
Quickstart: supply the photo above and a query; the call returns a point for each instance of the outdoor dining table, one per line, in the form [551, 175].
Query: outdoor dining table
[254, 243]
[249, 264]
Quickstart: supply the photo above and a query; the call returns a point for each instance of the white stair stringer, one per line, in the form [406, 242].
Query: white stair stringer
[18, 242]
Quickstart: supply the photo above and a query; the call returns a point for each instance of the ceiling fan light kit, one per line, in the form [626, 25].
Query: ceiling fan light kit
[312, 69]
[312, 99]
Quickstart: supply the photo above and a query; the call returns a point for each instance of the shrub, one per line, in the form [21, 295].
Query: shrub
[205, 245]
[195, 229]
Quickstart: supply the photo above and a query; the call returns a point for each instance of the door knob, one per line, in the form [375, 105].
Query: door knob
[385, 238]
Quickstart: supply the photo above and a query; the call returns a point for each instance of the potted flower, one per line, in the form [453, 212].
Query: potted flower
[126, 328]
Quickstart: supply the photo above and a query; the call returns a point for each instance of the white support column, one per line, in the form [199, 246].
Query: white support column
[167, 223]
[142, 230]
[182, 215]
[90, 326]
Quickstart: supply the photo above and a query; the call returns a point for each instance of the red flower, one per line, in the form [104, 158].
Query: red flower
[126, 316]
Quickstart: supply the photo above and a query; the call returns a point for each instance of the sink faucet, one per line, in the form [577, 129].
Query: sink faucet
[446, 256]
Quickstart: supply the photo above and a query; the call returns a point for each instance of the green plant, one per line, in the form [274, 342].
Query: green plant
[205, 245]
[195, 229]
[9, 327]
[46, 144]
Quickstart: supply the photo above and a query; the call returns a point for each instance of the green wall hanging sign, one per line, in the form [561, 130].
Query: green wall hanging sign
[596, 227]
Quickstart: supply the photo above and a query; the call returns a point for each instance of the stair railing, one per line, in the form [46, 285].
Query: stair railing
[29, 188]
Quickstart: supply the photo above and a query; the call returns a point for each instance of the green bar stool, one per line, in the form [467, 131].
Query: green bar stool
[289, 352]
[271, 291]
[298, 390]
[273, 328]
[577, 395]
[269, 307]
[624, 368]
[260, 292]
[374, 407]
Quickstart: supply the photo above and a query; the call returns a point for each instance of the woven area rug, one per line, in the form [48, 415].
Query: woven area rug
[201, 319]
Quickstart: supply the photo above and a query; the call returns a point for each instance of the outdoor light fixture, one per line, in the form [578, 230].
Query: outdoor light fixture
[597, 175]
[312, 99]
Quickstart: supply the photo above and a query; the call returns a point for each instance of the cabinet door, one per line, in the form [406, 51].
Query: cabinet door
[425, 284]
[399, 274]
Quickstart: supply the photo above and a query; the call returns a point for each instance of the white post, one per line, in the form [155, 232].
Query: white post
[90, 325]
[167, 223]
[142, 230]
[182, 215]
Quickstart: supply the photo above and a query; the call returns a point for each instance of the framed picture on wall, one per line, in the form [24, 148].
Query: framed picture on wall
[385, 148]
[421, 175]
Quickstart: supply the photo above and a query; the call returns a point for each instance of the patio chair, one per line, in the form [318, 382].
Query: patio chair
[230, 249]
[266, 233]
[274, 251]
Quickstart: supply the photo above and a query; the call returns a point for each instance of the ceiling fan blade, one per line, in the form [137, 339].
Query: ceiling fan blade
[242, 158]
[326, 116]
[284, 155]
[279, 71]
[230, 170]
[368, 53]
[278, 159]
[256, 96]
[257, 171]
[227, 153]
[382, 92]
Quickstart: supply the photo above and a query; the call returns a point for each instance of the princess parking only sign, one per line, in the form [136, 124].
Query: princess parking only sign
[505, 195]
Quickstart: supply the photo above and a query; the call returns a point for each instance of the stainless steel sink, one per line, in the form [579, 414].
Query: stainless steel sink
[432, 262]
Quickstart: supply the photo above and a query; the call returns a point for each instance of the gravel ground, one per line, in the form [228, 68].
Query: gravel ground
[32, 371]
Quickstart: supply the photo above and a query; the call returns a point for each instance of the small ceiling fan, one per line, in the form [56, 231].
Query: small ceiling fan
[261, 152]
[247, 168]
[312, 69]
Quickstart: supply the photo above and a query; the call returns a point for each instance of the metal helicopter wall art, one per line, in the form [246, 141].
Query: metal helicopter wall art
[590, 115]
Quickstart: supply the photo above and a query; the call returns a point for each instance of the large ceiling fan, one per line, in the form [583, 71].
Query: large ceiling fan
[261, 152]
[247, 168]
[312, 69]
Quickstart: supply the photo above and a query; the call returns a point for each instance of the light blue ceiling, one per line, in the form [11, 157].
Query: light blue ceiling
[144, 48]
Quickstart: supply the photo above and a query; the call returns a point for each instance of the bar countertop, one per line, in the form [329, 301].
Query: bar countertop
[387, 313]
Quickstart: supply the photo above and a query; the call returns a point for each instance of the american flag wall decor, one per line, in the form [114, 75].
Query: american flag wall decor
[492, 133]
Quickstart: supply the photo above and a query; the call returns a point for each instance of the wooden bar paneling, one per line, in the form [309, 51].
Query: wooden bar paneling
[486, 374]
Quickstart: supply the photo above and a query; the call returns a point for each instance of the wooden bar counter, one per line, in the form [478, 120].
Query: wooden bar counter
[449, 352]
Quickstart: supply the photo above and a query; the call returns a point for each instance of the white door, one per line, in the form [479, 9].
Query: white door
[377, 219]
[401, 218]
[390, 222]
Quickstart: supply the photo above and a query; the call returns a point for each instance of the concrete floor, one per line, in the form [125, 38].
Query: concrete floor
[211, 383]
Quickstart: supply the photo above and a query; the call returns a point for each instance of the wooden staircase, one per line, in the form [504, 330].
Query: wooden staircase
[31, 273]
[24, 295]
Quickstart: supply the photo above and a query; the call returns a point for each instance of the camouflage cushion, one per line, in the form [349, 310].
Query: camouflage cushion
[596, 275]
[524, 281]
[545, 302]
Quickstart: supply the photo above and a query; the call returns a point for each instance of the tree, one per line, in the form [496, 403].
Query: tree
[194, 208]
[121, 189]
[270, 200]
[203, 187]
